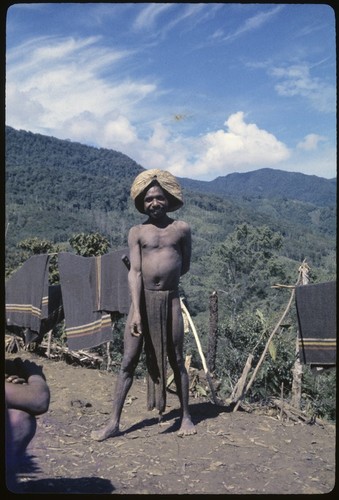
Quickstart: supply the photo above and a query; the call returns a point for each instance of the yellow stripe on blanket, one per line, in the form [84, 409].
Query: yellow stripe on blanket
[23, 308]
[44, 300]
[89, 328]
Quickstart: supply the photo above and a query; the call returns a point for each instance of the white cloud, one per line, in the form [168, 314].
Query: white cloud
[253, 23]
[240, 146]
[149, 14]
[296, 80]
[310, 142]
[60, 84]
[119, 131]
[320, 161]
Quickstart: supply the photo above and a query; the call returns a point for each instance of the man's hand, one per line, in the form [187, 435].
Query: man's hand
[19, 371]
[136, 328]
[14, 379]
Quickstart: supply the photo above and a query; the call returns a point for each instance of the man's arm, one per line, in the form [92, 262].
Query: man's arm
[32, 395]
[135, 279]
[186, 248]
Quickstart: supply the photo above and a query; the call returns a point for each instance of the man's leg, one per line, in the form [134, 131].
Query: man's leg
[132, 350]
[176, 359]
[20, 430]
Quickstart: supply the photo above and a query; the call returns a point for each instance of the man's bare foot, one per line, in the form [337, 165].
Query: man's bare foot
[187, 428]
[105, 433]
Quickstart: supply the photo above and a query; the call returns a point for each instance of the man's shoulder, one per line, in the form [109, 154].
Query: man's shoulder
[134, 232]
[182, 224]
[136, 228]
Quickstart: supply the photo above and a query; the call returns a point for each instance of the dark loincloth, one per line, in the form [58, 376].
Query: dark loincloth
[156, 324]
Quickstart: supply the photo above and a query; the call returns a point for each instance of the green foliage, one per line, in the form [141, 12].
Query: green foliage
[246, 335]
[35, 246]
[89, 245]
[245, 266]
[319, 392]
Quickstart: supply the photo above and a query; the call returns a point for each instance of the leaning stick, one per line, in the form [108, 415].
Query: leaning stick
[208, 377]
[265, 350]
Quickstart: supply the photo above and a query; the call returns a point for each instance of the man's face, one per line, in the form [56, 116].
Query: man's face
[155, 203]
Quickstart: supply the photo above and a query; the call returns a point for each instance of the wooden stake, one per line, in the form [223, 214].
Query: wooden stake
[238, 390]
[208, 377]
[49, 341]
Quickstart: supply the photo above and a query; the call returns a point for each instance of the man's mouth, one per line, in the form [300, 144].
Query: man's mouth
[156, 211]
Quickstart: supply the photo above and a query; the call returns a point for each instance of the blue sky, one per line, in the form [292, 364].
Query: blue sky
[201, 90]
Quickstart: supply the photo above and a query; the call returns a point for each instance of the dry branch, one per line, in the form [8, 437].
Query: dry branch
[208, 377]
[265, 349]
[289, 410]
[81, 355]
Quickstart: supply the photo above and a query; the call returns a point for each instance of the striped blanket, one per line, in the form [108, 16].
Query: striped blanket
[26, 292]
[316, 311]
[92, 288]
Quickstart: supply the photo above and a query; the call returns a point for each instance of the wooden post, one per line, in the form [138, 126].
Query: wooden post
[213, 331]
[239, 387]
[49, 341]
[297, 370]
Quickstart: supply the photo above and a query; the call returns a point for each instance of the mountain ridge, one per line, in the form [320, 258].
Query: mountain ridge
[270, 183]
[261, 183]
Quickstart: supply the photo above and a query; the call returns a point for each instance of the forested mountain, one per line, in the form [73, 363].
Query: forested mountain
[55, 188]
[249, 232]
[270, 184]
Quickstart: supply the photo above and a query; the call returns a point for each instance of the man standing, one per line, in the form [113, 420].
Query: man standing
[160, 252]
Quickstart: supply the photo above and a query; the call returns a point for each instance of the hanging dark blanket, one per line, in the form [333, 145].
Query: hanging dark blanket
[85, 327]
[25, 292]
[111, 292]
[92, 288]
[157, 312]
[52, 309]
[316, 310]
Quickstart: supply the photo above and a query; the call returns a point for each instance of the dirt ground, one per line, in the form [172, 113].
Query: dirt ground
[243, 452]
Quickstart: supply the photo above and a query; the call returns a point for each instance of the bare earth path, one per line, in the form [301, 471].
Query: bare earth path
[232, 453]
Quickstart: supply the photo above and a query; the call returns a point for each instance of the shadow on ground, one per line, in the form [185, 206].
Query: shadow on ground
[199, 413]
[67, 485]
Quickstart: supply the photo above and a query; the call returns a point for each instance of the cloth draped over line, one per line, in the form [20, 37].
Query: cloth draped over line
[316, 311]
[156, 307]
[27, 294]
[92, 288]
[52, 314]
[112, 290]
[52, 309]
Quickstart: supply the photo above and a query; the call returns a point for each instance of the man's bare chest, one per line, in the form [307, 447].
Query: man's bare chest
[158, 238]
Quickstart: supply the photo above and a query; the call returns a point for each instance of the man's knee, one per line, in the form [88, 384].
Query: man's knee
[129, 364]
[177, 362]
[20, 430]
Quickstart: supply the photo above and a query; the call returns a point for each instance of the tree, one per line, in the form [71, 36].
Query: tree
[245, 266]
[89, 245]
[34, 246]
